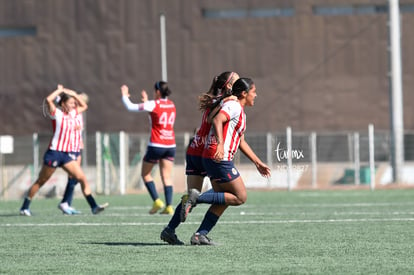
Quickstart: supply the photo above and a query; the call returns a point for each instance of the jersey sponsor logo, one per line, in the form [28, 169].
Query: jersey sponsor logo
[198, 141]
[166, 134]
[167, 105]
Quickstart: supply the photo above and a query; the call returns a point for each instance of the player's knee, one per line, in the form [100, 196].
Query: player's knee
[241, 199]
[147, 178]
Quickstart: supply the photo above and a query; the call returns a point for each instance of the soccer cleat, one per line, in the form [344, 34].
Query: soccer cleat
[25, 212]
[188, 202]
[167, 235]
[199, 239]
[74, 211]
[157, 205]
[64, 207]
[168, 210]
[98, 209]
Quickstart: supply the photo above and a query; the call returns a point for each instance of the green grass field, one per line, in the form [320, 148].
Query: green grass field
[275, 232]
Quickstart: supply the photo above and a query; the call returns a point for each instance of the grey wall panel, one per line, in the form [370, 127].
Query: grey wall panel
[312, 72]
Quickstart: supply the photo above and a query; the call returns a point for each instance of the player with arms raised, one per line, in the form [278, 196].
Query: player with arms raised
[161, 147]
[64, 146]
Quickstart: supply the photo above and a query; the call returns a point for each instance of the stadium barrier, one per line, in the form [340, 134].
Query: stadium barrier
[112, 161]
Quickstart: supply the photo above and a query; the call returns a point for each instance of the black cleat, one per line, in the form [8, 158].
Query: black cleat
[99, 208]
[199, 239]
[167, 235]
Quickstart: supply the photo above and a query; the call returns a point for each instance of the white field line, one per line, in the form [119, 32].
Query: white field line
[331, 205]
[233, 213]
[291, 221]
[247, 205]
[270, 206]
[269, 214]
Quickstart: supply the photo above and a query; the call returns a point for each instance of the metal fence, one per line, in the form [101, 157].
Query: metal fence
[331, 146]
[116, 158]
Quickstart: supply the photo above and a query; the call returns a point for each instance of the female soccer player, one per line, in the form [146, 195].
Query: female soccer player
[63, 147]
[161, 147]
[221, 87]
[225, 137]
[66, 203]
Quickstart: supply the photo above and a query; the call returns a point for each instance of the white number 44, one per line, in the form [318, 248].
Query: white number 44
[164, 119]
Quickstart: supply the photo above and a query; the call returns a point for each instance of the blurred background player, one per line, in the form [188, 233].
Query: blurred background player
[66, 204]
[63, 146]
[161, 147]
[225, 137]
[220, 88]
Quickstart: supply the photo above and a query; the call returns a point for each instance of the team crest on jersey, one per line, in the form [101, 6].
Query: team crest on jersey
[234, 171]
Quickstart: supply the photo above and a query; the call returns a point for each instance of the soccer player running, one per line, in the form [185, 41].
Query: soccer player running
[220, 88]
[225, 137]
[161, 147]
[63, 147]
[66, 203]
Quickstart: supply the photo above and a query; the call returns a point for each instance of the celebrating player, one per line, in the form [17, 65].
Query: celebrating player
[225, 137]
[63, 146]
[161, 147]
[221, 87]
[66, 204]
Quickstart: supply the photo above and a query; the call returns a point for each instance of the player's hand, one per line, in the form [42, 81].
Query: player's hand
[144, 96]
[263, 169]
[125, 90]
[219, 155]
[232, 97]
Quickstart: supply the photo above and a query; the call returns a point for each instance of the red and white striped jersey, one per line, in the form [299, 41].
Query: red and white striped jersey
[233, 130]
[67, 131]
[162, 118]
[196, 146]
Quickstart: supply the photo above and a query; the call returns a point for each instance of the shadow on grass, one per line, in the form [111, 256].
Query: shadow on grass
[10, 215]
[127, 243]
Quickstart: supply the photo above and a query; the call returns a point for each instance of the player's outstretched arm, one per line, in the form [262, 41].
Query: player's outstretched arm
[125, 90]
[263, 169]
[146, 106]
[133, 107]
[51, 98]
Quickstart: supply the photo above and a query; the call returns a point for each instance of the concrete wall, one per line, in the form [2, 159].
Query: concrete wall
[312, 72]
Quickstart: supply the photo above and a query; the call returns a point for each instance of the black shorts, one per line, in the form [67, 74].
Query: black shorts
[194, 166]
[223, 171]
[155, 154]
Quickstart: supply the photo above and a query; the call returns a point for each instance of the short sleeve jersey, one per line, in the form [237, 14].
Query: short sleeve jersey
[67, 131]
[162, 118]
[233, 130]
